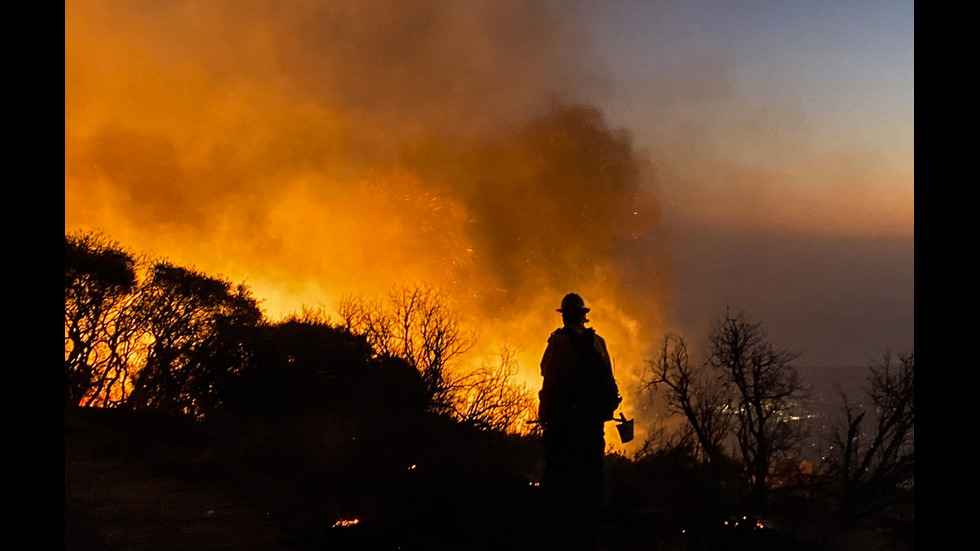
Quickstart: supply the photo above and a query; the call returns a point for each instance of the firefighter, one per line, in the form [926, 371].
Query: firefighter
[578, 395]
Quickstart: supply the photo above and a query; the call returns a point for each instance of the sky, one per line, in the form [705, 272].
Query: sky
[668, 160]
[783, 134]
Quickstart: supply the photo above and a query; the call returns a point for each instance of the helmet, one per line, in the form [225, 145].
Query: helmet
[572, 303]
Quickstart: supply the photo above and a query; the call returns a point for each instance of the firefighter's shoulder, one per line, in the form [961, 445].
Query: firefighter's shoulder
[598, 340]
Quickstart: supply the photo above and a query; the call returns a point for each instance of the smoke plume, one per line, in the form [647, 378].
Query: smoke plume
[318, 148]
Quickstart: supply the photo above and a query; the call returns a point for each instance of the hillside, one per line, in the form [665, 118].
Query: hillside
[145, 482]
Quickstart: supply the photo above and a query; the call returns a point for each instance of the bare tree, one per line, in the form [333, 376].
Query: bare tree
[695, 393]
[744, 395]
[417, 325]
[491, 399]
[765, 391]
[873, 455]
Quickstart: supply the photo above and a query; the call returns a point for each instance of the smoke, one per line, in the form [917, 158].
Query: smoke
[176, 113]
[317, 148]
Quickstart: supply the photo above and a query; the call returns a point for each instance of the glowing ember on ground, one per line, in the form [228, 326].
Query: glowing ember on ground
[346, 522]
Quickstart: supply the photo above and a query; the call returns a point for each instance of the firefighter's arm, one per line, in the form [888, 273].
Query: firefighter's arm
[547, 374]
[612, 387]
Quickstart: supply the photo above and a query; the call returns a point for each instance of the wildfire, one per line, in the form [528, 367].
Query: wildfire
[304, 176]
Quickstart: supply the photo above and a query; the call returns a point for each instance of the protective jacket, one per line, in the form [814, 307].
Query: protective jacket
[578, 384]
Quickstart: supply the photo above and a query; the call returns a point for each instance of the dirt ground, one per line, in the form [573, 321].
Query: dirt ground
[117, 497]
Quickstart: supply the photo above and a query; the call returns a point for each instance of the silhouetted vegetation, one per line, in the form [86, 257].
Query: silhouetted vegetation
[745, 394]
[199, 331]
[417, 325]
[765, 392]
[489, 398]
[872, 460]
[100, 279]
[366, 433]
[146, 334]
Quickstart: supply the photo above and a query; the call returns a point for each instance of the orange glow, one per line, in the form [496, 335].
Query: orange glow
[213, 139]
[833, 193]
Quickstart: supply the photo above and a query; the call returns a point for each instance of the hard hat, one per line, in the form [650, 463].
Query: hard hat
[572, 303]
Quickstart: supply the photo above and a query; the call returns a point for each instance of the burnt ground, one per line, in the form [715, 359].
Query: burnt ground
[139, 482]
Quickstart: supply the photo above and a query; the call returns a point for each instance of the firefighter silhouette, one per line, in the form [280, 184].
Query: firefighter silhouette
[578, 395]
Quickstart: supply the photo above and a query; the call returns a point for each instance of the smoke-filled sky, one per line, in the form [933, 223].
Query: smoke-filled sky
[666, 159]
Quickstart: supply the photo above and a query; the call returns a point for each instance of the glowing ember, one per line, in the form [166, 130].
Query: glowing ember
[346, 522]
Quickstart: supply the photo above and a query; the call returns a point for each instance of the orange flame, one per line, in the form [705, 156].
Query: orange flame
[309, 171]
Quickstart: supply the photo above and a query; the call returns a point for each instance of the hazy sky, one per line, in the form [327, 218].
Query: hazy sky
[666, 159]
[783, 132]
